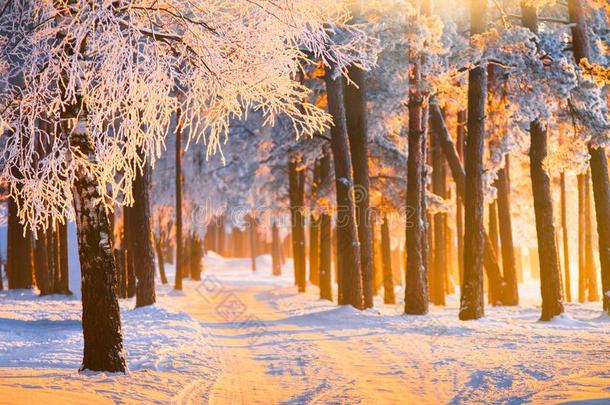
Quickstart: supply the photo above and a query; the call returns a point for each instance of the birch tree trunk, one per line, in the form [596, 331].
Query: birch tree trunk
[101, 319]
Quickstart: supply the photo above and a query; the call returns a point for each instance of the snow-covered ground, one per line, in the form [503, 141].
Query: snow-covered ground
[243, 337]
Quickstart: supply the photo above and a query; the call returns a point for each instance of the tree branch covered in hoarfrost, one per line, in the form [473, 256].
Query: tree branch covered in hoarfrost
[127, 66]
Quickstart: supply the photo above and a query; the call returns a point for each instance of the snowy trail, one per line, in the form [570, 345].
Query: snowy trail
[277, 346]
[239, 337]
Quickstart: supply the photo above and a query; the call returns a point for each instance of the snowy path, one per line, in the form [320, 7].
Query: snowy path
[239, 337]
[277, 346]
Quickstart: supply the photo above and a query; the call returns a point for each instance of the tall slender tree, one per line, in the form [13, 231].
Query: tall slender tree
[599, 162]
[355, 111]
[348, 248]
[548, 254]
[472, 304]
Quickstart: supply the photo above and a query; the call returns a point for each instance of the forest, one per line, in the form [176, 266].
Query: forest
[304, 201]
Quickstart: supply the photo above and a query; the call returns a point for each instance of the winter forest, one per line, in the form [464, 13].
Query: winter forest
[304, 201]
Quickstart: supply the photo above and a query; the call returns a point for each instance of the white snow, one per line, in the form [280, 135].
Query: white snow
[244, 337]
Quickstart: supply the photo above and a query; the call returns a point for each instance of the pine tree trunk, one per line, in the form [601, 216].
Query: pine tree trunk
[459, 213]
[601, 196]
[472, 304]
[566, 247]
[196, 253]
[591, 271]
[348, 248]
[276, 249]
[511, 291]
[492, 267]
[52, 270]
[101, 319]
[314, 251]
[582, 263]
[355, 112]
[326, 291]
[297, 190]
[178, 206]
[416, 288]
[550, 272]
[160, 261]
[386, 256]
[41, 263]
[439, 187]
[19, 258]
[141, 240]
[493, 236]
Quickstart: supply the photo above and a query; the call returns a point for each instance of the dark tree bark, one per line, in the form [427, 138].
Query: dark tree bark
[511, 291]
[441, 259]
[472, 305]
[459, 214]
[276, 249]
[348, 248]
[178, 207]
[326, 291]
[386, 257]
[160, 260]
[41, 263]
[19, 258]
[550, 278]
[297, 193]
[141, 241]
[196, 254]
[314, 230]
[492, 268]
[494, 236]
[355, 112]
[52, 269]
[101, 319]
[548, 254]
[416, 288]
[566, 246]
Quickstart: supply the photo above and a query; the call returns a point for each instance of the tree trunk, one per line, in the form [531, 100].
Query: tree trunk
[196, 254]
[416, 288]
[178, 206]
[141, 240]
[326, 291]
[511, 291]
[493, 236]
[601, 196]
[564, 233]
[101, 318]
[386, 256]
[441, 260]
[297, 190]
[41, 263]
[129, 251]
[53, 271]
[591, 271]
[582, 263]
[459, 213]
[276, 249]
[472, 305]
[160, 261]
[492, 268]
[252, 239]
[550, 272]
[314, 251]
[348, 248]
[19, 260]
[355, 112]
